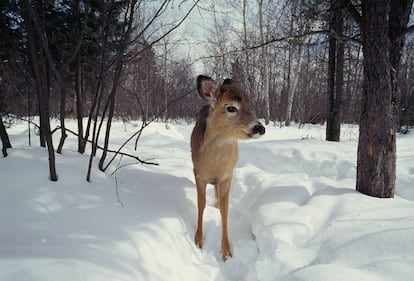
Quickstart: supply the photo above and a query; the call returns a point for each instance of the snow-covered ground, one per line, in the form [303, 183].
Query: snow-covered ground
[294, 214]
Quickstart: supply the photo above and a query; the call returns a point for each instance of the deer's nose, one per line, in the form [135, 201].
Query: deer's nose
[259, 129]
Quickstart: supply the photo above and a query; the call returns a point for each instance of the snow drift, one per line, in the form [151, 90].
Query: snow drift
[294, 212]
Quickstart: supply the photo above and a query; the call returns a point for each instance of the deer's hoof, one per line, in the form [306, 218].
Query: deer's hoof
[199, 240]
[226, 254]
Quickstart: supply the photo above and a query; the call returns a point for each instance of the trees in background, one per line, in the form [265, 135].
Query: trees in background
[81, 59]
[359, 47]
[302, 61]
[288, 25]
[282, 57]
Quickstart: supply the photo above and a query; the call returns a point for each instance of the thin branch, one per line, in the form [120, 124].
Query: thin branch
[119, 167]
[405, 33]
[23, 119]
[156, 15]
[72, 132]
[116, 183]
[112, 151]
[165, 34]
[306, 34]
[78, 45]
[145, 124]
[352, 9]
[282, 39]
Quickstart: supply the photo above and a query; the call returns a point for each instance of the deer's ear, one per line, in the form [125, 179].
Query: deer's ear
[229, 81]
[207, 88]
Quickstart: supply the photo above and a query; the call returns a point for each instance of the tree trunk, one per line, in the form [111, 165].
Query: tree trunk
[336, 75]
[164, 83]
[40, 73]
[117, 75]
[79, 106]
[4, 138]
[376, 148]
[63, 136]
[79, 83]
[399, 15]
[265, 64]
[294, 81]
[42, 140]
[245, 46]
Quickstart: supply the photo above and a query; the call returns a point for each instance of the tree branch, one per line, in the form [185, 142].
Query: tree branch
[156, 15]
[351, 8]
[109, 150]
[405, 33]
[23, 119]
[145, 124]
[164, 35]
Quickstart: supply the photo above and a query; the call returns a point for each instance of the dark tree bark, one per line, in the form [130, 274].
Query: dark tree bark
[335, 73]
[60, 73]
[4, 138]
[79, 106]
[383, 26]
[63, 136]
[39, 67]
[399, 15]
[376, 148]
[78, 84]
[119, 64]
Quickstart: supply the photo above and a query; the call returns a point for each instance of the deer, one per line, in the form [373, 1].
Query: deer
[226, 118]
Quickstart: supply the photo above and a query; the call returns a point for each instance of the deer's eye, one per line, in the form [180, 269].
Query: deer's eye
[231, 109]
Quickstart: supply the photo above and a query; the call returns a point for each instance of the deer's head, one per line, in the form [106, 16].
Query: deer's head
[230, 113]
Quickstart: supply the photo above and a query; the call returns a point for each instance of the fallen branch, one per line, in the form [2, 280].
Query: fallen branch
[22, 118]
[145, 124]
[112, 151]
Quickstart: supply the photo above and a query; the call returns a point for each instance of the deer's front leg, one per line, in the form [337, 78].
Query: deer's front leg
[224, 191]
[201, 202]
[216, 193]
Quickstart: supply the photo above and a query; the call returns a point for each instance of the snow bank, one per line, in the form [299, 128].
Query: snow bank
[294, 214]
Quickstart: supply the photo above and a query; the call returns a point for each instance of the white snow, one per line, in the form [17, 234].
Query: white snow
[294, 212]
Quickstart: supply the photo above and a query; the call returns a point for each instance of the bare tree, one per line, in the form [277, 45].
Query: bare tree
[335, 72]
[40, 70]
[4, 138]
[127, 29]
[294, 82]
[265, 59]
[383, 24]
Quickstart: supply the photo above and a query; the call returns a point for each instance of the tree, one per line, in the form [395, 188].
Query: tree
[265, 59]
[33, 14]
[335, 72]
[382, 25]
[297, 25]
[293, 82]
[4, 138]
[127, 29]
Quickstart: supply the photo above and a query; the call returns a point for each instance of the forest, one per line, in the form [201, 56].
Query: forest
[100, 167]
[301, 61]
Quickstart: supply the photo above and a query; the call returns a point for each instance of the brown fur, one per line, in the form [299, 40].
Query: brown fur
[214, 148]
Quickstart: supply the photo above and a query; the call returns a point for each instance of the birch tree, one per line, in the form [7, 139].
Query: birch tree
[294, 81]
[265, 60]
